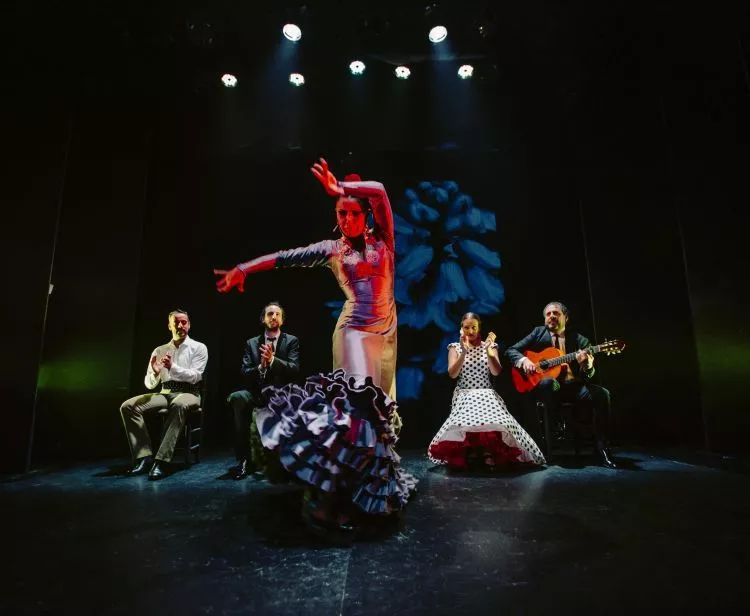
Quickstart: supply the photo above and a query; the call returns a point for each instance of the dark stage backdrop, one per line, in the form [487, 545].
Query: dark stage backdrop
[91, 240]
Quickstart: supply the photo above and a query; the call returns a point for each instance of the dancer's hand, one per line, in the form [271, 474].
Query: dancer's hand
[234, 277]
[326, 178]
[167, 361]
[155, 365]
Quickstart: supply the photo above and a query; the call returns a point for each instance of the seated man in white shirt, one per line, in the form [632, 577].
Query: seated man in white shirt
[177, 368]
[272, 358]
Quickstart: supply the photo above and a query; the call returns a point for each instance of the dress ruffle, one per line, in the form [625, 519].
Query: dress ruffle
[335, 434]
[495, 447]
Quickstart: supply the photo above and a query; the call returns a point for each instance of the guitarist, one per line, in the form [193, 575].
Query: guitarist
[574, 382]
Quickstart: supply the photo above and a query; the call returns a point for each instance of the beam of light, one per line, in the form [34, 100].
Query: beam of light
[292, 32]
[465, 71]
[229, 80]
[357, 67]
[297, 79]
[438, 34]
[402, 72]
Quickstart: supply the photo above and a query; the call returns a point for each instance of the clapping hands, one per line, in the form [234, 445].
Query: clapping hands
[156, 364]
[489, 341]
[463, 340]
[266, 355]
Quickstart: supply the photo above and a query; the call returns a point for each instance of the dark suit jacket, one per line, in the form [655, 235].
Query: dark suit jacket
[540, 339]
[283, 370]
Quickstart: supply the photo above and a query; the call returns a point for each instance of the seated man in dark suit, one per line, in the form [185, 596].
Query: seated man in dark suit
[574, 382]
[272, 358]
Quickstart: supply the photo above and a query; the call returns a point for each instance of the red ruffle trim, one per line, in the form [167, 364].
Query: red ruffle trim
[484, 445]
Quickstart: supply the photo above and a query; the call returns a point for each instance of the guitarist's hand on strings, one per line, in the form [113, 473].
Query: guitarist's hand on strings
[585, 360]
[528, 366]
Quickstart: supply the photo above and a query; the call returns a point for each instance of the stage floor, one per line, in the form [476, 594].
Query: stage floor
[659, 535]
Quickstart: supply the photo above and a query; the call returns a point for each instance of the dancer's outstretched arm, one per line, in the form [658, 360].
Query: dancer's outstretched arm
[235, 277]
[313, 255]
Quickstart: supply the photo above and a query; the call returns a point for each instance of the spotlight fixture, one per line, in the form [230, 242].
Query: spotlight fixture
[465, 71]
[402, 72]
[229, 80]
[357, 67]
[296, 79]
[292, 32]
[438, 34]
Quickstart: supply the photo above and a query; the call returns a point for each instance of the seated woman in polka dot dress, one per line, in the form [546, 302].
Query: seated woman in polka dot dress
[479, 428]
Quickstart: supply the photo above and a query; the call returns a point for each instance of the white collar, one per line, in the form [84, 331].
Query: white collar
[187, 342]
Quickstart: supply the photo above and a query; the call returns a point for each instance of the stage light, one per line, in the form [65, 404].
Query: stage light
[228, 80]
[465, 71]
[402, 72]
[357, 67]
[292, 32]
[438, 34]
[296, 79]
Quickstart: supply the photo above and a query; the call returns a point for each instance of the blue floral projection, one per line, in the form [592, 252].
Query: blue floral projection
[443, 269]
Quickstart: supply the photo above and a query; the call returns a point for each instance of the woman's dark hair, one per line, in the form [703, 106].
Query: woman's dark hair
[363, 203]
[472, 315]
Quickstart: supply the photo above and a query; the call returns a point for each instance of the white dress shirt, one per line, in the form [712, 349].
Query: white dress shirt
[188, 363]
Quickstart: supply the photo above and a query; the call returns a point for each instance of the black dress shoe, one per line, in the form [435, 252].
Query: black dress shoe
[141, 466]
[241, 471]
[605, 458]
[158, 471]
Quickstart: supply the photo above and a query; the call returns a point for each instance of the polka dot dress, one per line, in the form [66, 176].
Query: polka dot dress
[477, 408]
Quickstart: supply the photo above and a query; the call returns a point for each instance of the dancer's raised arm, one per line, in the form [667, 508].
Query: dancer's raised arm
[374, 192]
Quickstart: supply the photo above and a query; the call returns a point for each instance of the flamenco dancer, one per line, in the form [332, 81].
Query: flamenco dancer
[479, 430]
[337, 433]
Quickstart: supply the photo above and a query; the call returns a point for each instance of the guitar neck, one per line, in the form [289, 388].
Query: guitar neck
[566, 359]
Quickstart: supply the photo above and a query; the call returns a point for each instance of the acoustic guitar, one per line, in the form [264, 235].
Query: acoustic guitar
[549, 362]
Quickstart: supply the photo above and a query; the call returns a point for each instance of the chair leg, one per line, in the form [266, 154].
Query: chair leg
[546, 429]
[188, 438]
[196, 437]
